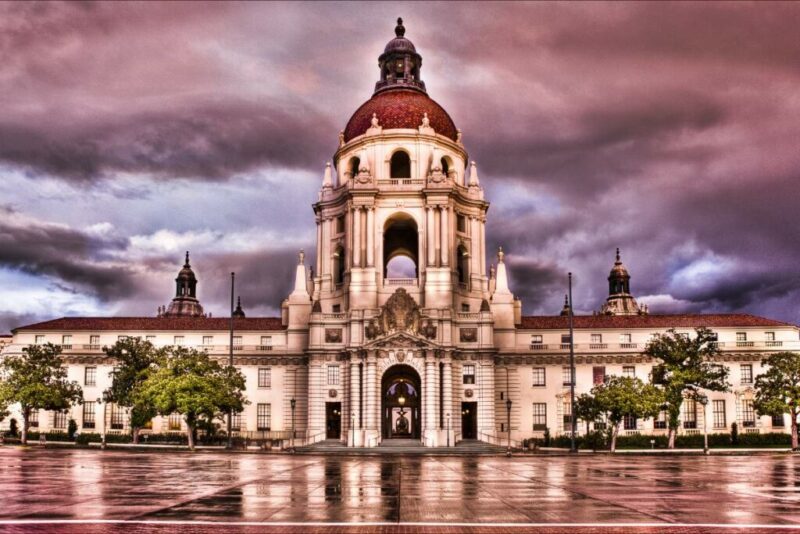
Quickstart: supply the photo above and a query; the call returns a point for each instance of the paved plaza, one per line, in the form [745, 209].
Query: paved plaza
[74, 490]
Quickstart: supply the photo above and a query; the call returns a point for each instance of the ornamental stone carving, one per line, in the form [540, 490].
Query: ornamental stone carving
[399, 314]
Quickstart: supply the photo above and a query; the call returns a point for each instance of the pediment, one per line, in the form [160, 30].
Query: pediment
[400, 340]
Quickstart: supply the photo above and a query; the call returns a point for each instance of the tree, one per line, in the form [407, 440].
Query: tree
[685, 369]
[135, 360]
[625, 396]
[587, 409]
[778, 389]
[192, 384]
[37, 381]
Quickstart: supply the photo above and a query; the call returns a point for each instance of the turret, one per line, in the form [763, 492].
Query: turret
[185, 303]
[620, 301]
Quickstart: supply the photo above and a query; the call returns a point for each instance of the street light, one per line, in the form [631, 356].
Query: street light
[508, 422]
[103, 435]
[448, 429]
[353, 426]
[293, 404]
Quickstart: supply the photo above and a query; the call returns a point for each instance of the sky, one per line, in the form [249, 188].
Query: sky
[131, 132]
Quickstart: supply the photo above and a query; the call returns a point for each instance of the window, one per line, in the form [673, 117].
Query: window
[122, 338]
[567, 413]
[237, 342]
[748, 414]
[151, 339]
[461, 223]
[90, 376]
[208, 340]
[536, 339]
[658, 375]
[538, 376]
[333, 375]
[598, 375]
[629, 422]
[539, 415]
[33, 419]
[88, 414]
[567, 376]
[718, 409]
[94, 342]
[66, 342]
[769, 336]
[565, 339]
[338, 266]
[337, 308]
[600, 424]
[741, 336]
[777, 421]
[597, 338]
[60, 420]
[117, 417]
[39, 340]
[266, 342]
[263, 417]
[464, 307]
[625, 338]
[340, 224]
[629, 371]
[469, 374]
[660, 422]
[174, 422]
[264, 377]
[746, 370]
[236, 422]
[689, 413]
[178, 341]
[400, 165]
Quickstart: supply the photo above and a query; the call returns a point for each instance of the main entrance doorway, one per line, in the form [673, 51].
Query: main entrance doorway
[469, 420]
[401, 403]
[333, 420]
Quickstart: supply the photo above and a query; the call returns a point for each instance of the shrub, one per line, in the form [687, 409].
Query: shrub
[13, 428]
[72, 427]
[547, 437]
[735, 434]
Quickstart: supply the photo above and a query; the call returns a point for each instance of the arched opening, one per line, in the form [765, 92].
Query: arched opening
[338, 266]
[463, 265]
[400, 247]
[445, 166]
[400, 166]
[353, 166]
[401, 403]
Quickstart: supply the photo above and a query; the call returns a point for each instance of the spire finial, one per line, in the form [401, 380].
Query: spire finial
[618, 254]
[302, 256]
[500, 255]
[399, 30]
[187, 258]
[566, 301]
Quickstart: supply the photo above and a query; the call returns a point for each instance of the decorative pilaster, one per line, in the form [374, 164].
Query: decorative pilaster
[370, 237]
[357, 236]
[445, 231]
[372, 392]
[431, 244]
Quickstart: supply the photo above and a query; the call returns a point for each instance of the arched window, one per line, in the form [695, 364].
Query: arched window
[354, 164]
[400, 165]
[400, 247]
[445, 166]
[463, 265]
[338, 266]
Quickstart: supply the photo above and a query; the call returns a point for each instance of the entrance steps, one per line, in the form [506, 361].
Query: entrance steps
[403, 446]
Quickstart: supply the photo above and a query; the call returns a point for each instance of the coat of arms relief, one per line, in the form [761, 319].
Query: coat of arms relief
[400, 314]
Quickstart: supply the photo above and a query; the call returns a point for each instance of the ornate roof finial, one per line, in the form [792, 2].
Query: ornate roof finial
[187, 259]
[238, 312]
[500, 255]
[399, 30]
[618, 260]
[302, 256]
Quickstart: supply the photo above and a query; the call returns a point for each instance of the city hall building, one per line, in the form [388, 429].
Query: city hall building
[402, 329]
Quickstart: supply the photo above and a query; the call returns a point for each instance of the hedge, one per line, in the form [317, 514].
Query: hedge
[642, 441]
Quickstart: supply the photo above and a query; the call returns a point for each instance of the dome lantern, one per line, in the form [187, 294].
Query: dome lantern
[400, 63]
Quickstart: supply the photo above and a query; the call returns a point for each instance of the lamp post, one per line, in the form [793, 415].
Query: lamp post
[230, 364]
[103, 435]
[448, 429]
[353, 426]
[293, 404]
[703, 400]
[573, 421]
[508, 422]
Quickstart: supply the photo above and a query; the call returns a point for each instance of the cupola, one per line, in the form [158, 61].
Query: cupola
[185, 303]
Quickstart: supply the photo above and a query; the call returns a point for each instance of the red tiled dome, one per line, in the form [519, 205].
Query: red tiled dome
[400, 108]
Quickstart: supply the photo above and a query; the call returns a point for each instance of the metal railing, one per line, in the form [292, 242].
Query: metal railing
[500, 441]
[400, 281]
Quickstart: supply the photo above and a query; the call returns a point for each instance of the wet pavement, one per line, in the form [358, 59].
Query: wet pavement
[70, 490]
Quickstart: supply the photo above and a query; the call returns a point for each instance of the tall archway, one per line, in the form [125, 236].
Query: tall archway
[401, 239]
[400, 165]
[401, 403]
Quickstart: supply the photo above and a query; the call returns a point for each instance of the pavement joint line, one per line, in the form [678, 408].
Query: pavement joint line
[176, 522]
[585, 495]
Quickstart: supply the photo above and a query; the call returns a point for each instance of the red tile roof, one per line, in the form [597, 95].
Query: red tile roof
[155, 323]
[650, 321]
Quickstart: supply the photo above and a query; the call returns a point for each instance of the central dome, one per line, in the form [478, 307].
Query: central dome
[400, 108]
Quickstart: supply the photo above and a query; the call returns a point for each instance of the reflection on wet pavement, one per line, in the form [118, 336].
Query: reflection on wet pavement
[124, 485]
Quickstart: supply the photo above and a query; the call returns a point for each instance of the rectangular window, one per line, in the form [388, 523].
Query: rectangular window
[536, 339]
[33, 419]
[178, 341]
[151, 339]
[336, 308]
[629, 422]
[340, 224]
[66, 342]
[629, 371]
[333, 375]
[741, 336]
[117, 417]
[565, 339]
[748, 414]
[769, 336]
[263, 417]
[266, 341]
[60, 420]
[461, 223]
[538, 376]
[539, 415]
[264, 377]
[746, 373]
[567, 376]
[689, 413]
[39, 340]
[88, 414]
[567, 406]
[237, 342]
[122, 338]
[718, 407]
[464, 307]
[90, 376]
[777, 421]
[469, 374]
[597, 338]
[625, 338]
[598, 375]
[94, 342]
[660, 422]
[174, 422]
[236, 422]
[208, 340]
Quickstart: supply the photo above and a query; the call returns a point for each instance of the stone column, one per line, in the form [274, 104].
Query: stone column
[474, 234]
[327, 253]
[482, 244]
[445, 230]
[355, 397]
[370, 237]
[431, 241]
[431, 399]
[455, 418]
[319, 248]
[357, 236]
[372, 392]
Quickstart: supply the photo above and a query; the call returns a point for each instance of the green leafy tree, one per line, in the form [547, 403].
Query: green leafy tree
[625, 396]
[587, 409]
[685, 369]
[192, 384]
[135, 361]
[37, 381]
[778, 389]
